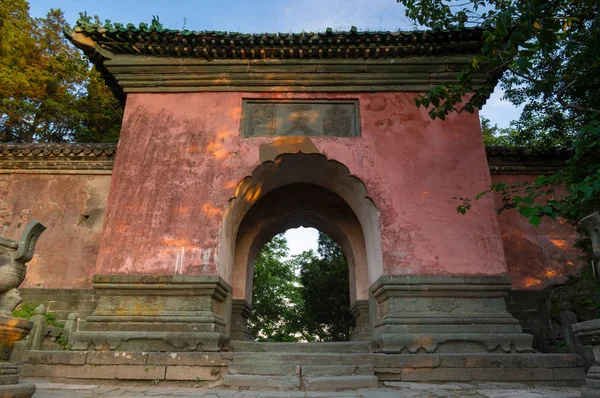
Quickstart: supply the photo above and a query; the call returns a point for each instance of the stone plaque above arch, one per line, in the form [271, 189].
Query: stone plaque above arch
[300, 118]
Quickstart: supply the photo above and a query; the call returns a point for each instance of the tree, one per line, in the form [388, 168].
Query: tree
[303, 298]
[550, 51]
[276, 298]
[326, 292]
[48, 91]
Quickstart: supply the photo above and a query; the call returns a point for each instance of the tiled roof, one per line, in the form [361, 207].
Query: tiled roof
[58, 150]
[156, 41]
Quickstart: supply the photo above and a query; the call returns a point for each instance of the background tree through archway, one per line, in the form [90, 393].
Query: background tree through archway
[305, 297]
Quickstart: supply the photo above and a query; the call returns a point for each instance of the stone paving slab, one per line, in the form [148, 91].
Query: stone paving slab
[47, 389]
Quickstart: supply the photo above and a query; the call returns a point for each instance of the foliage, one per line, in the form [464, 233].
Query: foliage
[551, 53]
[26, 310]
[305, 298]
[326, 292]
[48, 93]
[276, 297]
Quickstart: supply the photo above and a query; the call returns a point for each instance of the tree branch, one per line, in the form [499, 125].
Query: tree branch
[577, 108]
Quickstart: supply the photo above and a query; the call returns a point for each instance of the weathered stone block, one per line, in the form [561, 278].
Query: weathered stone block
[186, 358]
[197, 373]
[110, 372]
[438, 374]
[556, 360]
[337, 370]
[576, 374]
[251, 381]
[339, 382]
[499, 361]
[264, 369]
[116, 358]
[54, 357]
[408, 361]
[503, 374]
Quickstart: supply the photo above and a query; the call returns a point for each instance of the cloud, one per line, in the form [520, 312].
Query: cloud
[499, 111]
[317, 15]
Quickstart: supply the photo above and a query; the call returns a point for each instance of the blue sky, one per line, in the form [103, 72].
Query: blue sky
[263, 16]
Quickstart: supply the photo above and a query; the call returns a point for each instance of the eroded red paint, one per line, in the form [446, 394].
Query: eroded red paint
[72, 209]
[537, 257]
[181, 156]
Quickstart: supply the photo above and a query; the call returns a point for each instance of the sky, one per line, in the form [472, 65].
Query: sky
[263, 16]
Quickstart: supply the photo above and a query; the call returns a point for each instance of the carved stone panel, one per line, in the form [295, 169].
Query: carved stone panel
[306, 118]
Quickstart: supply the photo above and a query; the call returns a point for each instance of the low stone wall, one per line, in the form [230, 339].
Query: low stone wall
[561, 369]
[528, 306]
[61, 302]
[194, 366]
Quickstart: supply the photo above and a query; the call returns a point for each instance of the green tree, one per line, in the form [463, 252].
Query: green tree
[48, 93]
[551, 53]
[305, 298]
[276, 298]
[326, 292]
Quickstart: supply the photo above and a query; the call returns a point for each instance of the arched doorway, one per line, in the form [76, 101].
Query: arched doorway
[300, 190]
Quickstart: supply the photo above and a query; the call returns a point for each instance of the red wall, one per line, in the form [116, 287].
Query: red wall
[66, 252]
[537, 257]
[180, 158]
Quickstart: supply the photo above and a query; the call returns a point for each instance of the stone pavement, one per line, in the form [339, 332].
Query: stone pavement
[390, 389]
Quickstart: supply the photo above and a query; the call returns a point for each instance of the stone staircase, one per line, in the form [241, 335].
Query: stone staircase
[318, 366]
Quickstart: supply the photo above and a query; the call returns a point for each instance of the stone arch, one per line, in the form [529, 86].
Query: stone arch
[251, 217]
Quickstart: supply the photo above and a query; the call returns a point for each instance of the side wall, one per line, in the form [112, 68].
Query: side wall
[66, 192]
[537, 257]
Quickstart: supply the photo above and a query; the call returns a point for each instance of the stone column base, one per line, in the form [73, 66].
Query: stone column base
[240, 312]
[12, 330]
[157, 313]
[445, 315]
[20, 390]
[588, 333]
[362, 329]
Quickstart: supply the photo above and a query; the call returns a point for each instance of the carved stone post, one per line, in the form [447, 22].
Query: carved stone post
[13, 256]
[589, 332]
[362, 329]
[39, 324]
[240, 311]
[592, 224]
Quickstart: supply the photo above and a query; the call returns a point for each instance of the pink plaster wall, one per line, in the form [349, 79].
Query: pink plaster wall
[66, 252]
[537, 257]
[180, 158]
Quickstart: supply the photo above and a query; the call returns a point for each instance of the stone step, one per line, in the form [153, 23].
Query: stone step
[337, 370]
[339, 382]
[264, 369]
[262, 381]
[299, 358]
[306, 370]
[325, 347]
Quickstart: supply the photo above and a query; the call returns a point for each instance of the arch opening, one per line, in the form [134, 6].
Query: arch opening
[300, 191]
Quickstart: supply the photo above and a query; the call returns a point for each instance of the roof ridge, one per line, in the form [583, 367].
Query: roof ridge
[84, 23]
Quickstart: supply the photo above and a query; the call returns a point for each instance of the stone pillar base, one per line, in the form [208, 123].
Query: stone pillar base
[157, 313]
[588, 333]
[445, 315]
[20, 390]
[11, 331]
[240, 312]
[362, 329]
